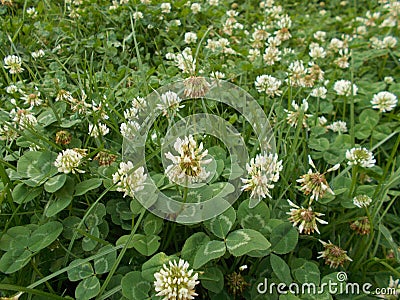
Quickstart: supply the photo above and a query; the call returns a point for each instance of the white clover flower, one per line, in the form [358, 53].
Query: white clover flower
[217, 75]
[269, 85]
[388, 79]
[315, 183]
[384, 101]
[175, 281]
[319, 92]
[253, 54]
[271, 55]
[213, 45]
[322, 121]
[13, 64]
[338, 126]
[360, 156]
[188, 165]
[69, 160]
[37, 54]
[137, 15]
[32, 99]
[263, 171]
[7, 133]
[98, 130]
[284, 22]
[176, 23]
[185, 61]
[293, 116]
[296, 71]
[306, 218]
[335, 45]
[190, 37]
[343, 88]
[130, 129]
[316, 51]
[196, 8]
[165, 7]
[362, 201]
[137, 105]
[343, 60]
[23, 117]
[389, 42]
[129, 180]
[320, 36]
[11, 89]
[169, 103]
[31, 11]
[213, 2]
[64, 95]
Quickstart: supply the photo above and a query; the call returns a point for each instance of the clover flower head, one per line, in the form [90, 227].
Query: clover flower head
[360, 156]
[384, 101]
[13, 64]
[314, 182]
[176, 281]
[306, 218]
[69, 161]
[188, 165]
[333, 255]
[263, 171]
[128, 179]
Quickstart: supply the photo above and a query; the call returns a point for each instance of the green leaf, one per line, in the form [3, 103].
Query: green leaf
[14, 260]
[67, 191]
[70, 224]
[23, 194]
[37, 167]
[281, 269]
[146, 244]
[56, 206]
[369, 117]
[212, 279]
[96, 216]
[284, 238]
[381, 132]
[82, 271]
[55, 183]
[134, 287]
[16, 238]
[221, 224]
[362, 131]
[319, 144]
[45, 235]
[88, 243]
[253, 218]
[386, 233]
[243, 241]
[155, 264]
[47, 117]
[87, 185]
[87, 288]
[307, 273]
[207, 252]
[63, 198]
[192, 244]
[152, 224]
[103, 264]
